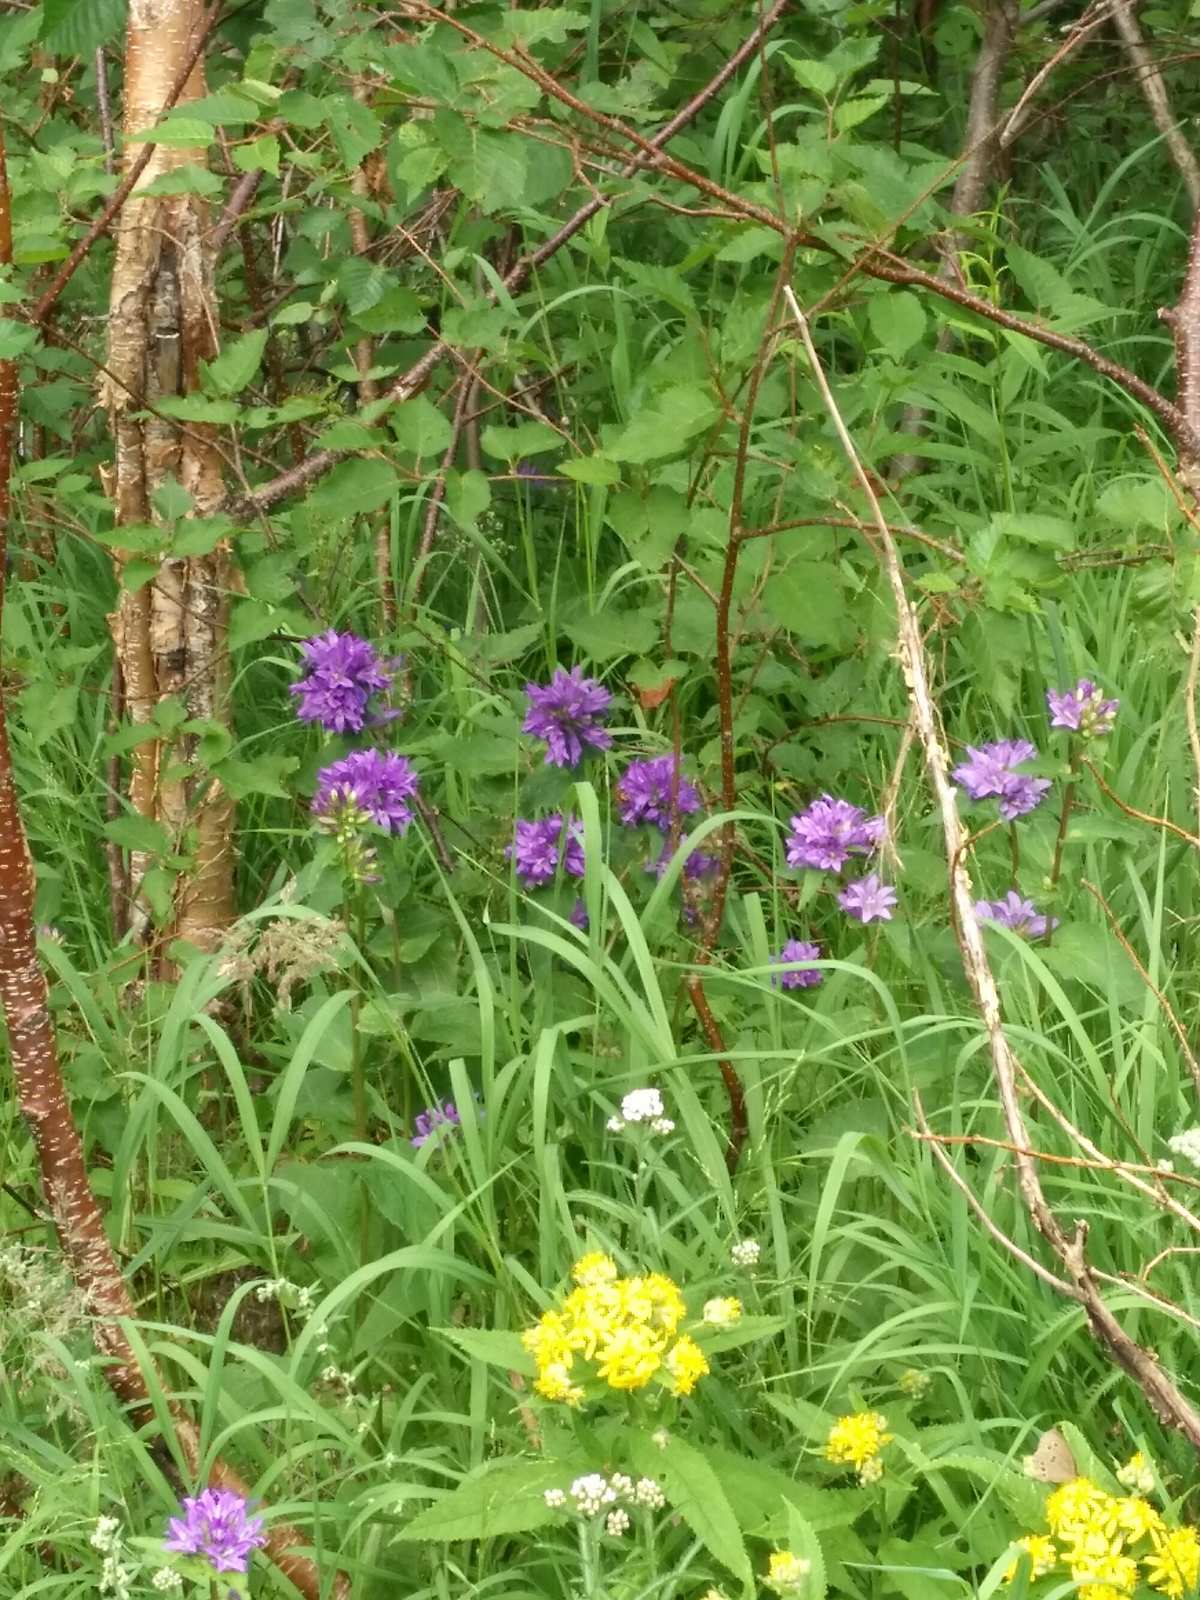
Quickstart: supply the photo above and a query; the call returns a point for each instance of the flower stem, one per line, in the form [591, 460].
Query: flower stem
[1068, 802]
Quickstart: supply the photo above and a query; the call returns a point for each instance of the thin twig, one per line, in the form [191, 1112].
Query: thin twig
[1150, 80]
[1142, 816]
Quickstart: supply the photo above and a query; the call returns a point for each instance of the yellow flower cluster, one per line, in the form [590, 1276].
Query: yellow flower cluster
[787, 1573]
[1110, 1545]
[626, 1327]
[856, 1441]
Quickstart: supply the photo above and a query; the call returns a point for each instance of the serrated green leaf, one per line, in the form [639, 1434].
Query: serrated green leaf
[851, 112]
[355, 128]
[397, 311]
[198, 536]
[508, 1497]
[803, 1542]
[198, 408]
[495, 1346]
[138, 833]
[233, 369]
[695, 1490]
[598, 470]
[419, 426]
[468, 495]
[259, 155]
[355, 487]
[264, 775]
[15, 338]
[177, 130]
[191, 178]
[77, 27]
[613, 633]
[897, 320]
[526, 439]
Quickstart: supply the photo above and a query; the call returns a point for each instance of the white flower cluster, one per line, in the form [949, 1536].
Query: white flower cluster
[115, 1575]
[1187, 1145]
[594, 1493]
[167, 1581]
[1136, 1474]
[300, 1295]
[638, 1106]
[745, 1253]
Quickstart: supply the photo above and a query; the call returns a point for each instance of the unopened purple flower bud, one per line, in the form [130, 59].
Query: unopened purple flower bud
[1082, 710]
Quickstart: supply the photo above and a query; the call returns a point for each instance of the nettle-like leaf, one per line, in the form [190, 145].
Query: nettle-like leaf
[232, 370]
[77, 27]
[503, 1498]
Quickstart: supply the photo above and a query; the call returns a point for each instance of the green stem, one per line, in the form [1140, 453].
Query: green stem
[1068, 802]
[358, 1083]
[589, 1565]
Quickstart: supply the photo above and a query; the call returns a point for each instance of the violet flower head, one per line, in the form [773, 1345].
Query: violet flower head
[1021, 916]
[565, 713]
[1082, 710]
[697, 864]
[430, 1122]
[538, 845]
[578, 917]
[644, 793]
[344, 672]
[215, 1525]
[375, 785]
[828, 832]
[991, 770]
[797, 950]
[868, 900]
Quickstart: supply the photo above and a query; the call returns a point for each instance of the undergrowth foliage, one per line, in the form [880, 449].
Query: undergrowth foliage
[577, 1170]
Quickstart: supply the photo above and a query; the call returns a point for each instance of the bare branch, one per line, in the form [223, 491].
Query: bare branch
[1152, 86]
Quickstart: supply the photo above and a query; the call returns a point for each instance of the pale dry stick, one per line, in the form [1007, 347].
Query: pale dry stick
[1164, 823]
[927, 1136]
[1171, 1250]
[1052, 1158]
[1093, 18]
[1161, 1393]
[1179, 1030]
[1156, 1302]
[891, 798]
[1150, 80]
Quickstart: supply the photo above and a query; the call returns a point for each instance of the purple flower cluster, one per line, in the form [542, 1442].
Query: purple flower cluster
[215, 1525]
[1021, 916]
[696, 865]
[375, 785]
[655, 792]
[797, 950]
[538, 847]
[428, 1123]
[868, 900]
[565, 713]
[344, 672]
[1082, 710]
[991, 770]
[829, 831]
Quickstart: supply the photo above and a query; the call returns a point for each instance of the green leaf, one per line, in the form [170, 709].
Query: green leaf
[803, 1542]
[47, 708]
[132, 832]
[504, 1498]
[199, 536]
[1034, 527]
[361, 283]
[264, 775]
[661, 282]
[613, 633]
[177, 131]
[526, 439]
[696, 1492]
[665, 427]
[746, 1331]
[197, 408]
[233, 369]
[355, 128]
[468, 495]
[808, 599]
[191, 178]
[598, 470]
[15, 338]
[259, 155]
[1083, 952]
[355, 487]
[497, 1347]
[897, 320]
[851, 112]
[78, 27]
[397, 311]
[419, 426]
[489, 168]
[549, 26]
[813, 75]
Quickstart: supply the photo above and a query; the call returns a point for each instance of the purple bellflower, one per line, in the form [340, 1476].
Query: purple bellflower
[1082, 710]
[538, 845]
[378, 784]
[215, 1525]
[566, 713]
[868, 900]
[344, 672]
[646, 791]
[991, 770]
[1021, 916]
[431, 1121]
[797, 950]
[829, 832]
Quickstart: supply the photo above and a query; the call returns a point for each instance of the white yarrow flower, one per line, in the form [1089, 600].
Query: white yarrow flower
[555, 1499]
[617, 1523]
[647, 1493]
[745, 1253]
[662, 1125]
[615, 1125]
[167, 1581]
[1187, 1145]
[642, 1105]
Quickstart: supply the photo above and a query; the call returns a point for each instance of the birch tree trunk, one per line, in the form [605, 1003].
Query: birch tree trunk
[170, 634]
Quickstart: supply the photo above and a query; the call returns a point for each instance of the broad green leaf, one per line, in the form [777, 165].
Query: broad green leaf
[77, 27]
[468, 495]
[661, 282]
[897, 320]
[814, 75]
[803, 1542]
[508, 1497]
[396, 311]
[355, 128]
[695, 1490]
[361, 283]
[267, 774]
[851, 112]
[597, 470]
[198, 408]
[353, 487]
[132, 832]
[548, 26]
[191, 178]
[419, 426]
[808, 599]
[489, 168]
[613, 633]
[15, 338]
[177, 130]
[665, 426]
[1035, 527]
[261, 154]
[497, 1347]
[526, 439]
[233, 369]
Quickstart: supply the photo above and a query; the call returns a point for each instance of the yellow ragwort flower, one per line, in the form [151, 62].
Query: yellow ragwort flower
[554, 1383]
[686, 1364]
[1040, 1549]
[1106, 1577]
[594, 1268]
[1174, 1566]
[855, 1440]
[630, 1358]
[548, 1340]
[592, 1316]
[722, 1312]
[654, 1300]
[1075, 1507]
[1137, 1519]
[787, 1572]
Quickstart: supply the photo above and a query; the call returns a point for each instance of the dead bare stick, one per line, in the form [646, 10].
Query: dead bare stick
[1168, 1010]
[1160, 1391]
[1093, 18]
[1150, 80]
[1142, 816]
